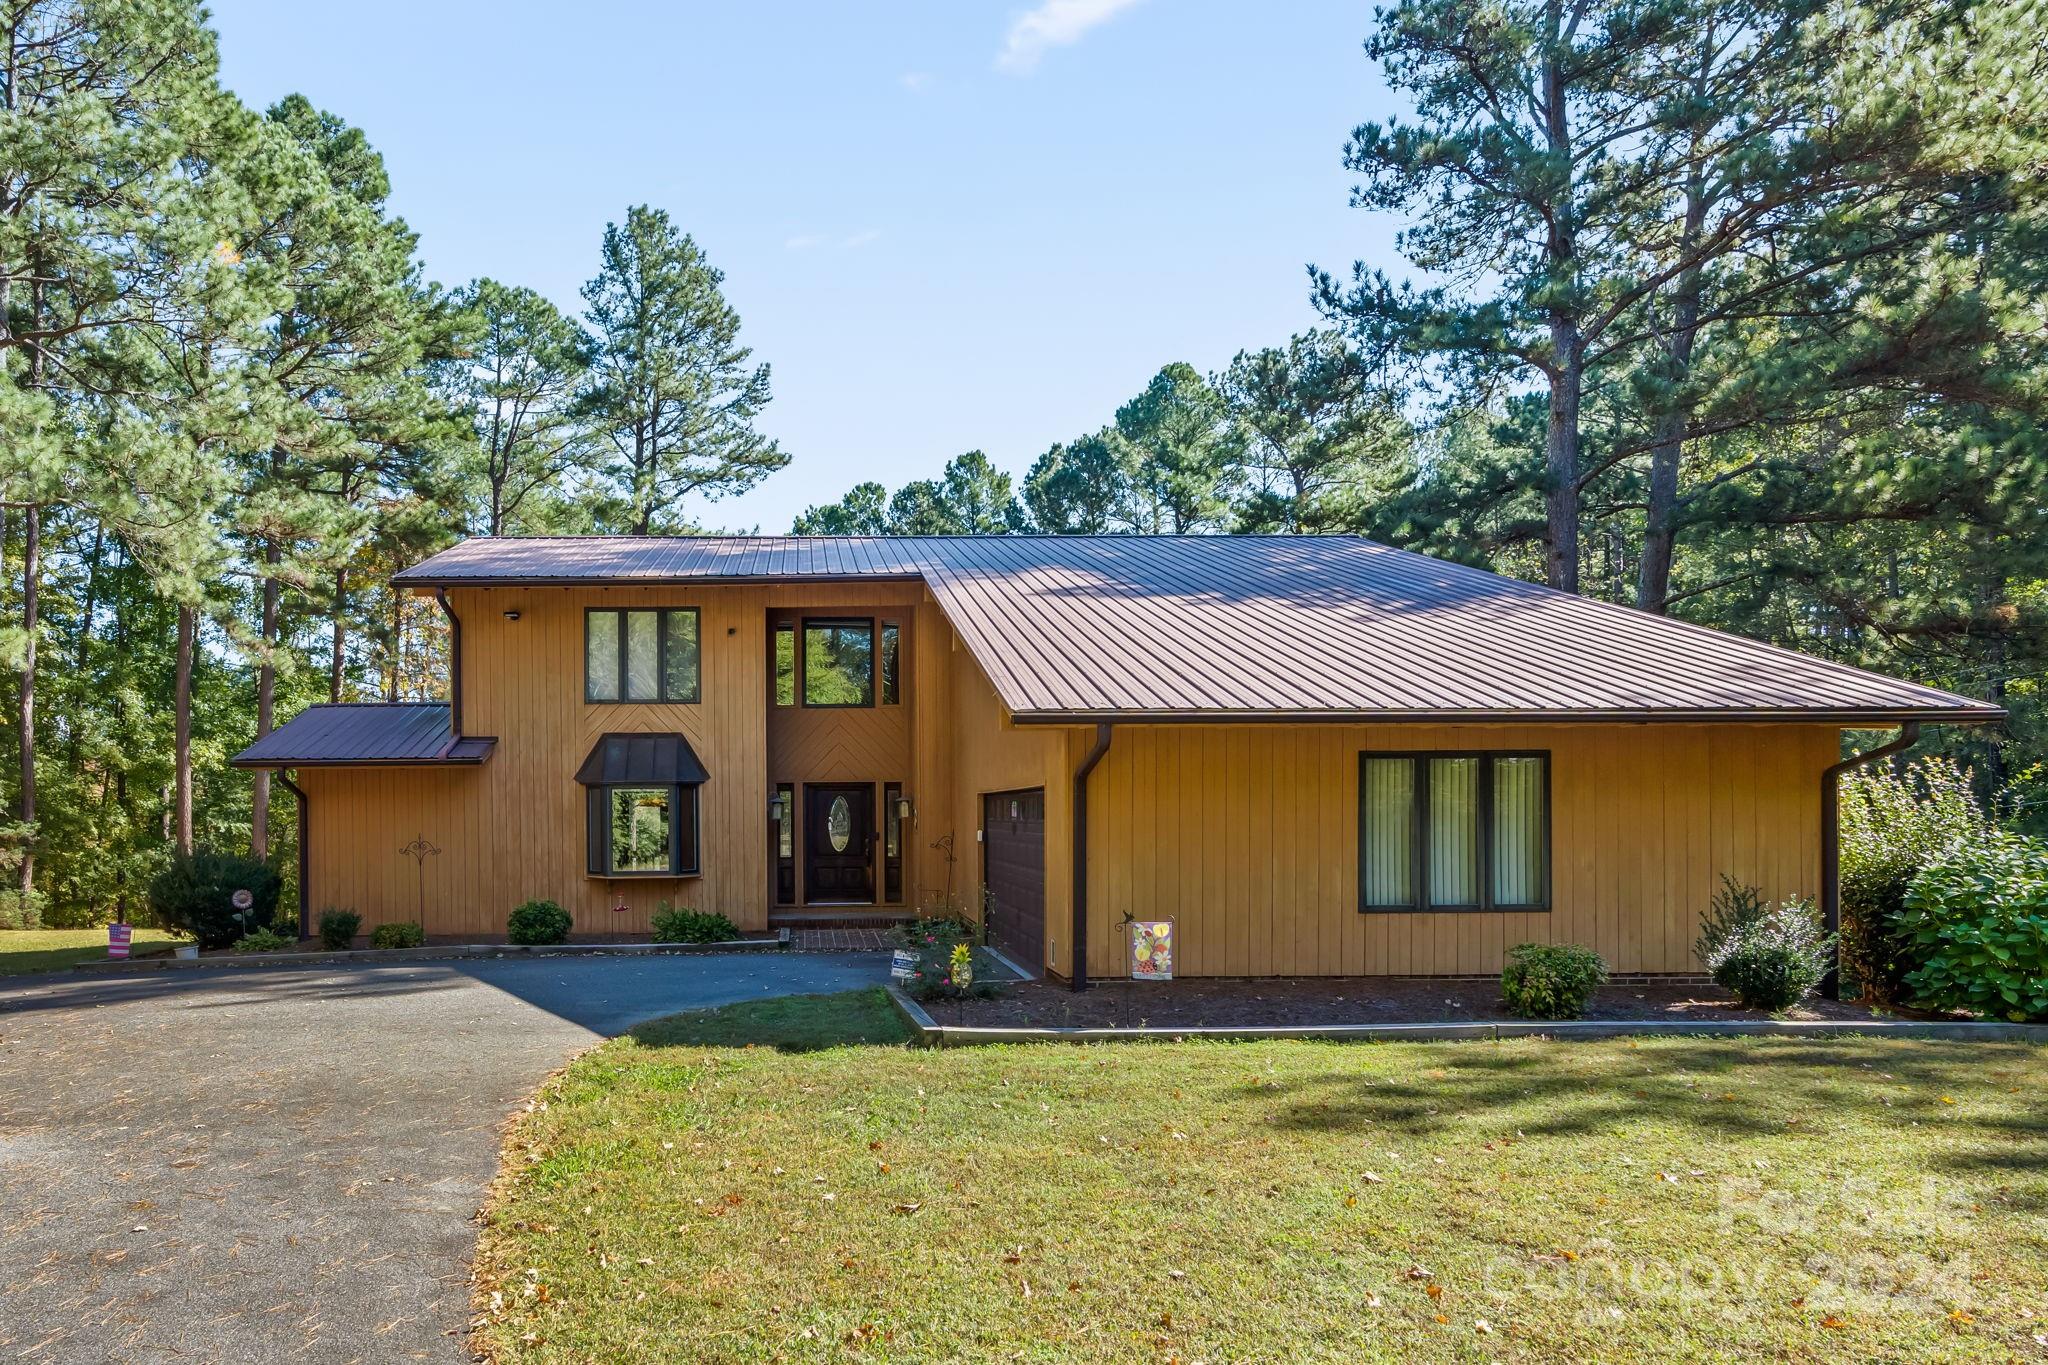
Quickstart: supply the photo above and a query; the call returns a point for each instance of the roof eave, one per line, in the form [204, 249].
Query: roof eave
[1972, 715]
[426, 586]
[444, 759]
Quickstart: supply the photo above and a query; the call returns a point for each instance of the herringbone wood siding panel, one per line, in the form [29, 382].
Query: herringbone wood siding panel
[1248, 836]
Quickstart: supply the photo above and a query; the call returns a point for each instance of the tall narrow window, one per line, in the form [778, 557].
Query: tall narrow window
[1457, 831]
[601, 656]
[783, 839]
[892, 842]
[1453, 832]
[1520, 844]
[892, 644]
[643, 656]
[680, 656]
[785, 664]
[1386, 832]
[640, 655]
[839, 663]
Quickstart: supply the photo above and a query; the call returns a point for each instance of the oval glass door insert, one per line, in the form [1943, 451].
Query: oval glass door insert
[839, 824]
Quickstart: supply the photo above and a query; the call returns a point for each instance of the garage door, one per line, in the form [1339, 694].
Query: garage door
[1013, 856]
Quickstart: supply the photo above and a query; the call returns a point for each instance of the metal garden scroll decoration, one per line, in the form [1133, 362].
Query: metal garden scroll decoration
[419, 850]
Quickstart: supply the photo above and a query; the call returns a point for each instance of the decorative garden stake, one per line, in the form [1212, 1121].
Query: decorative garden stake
[419, 850]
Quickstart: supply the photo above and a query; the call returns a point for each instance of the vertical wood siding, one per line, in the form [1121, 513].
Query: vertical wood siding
[1248, 837]
[513, 829]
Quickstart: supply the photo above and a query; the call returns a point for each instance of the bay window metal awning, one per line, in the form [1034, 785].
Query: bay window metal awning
[642, 760]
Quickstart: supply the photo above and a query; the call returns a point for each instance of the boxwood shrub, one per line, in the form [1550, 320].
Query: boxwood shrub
[1551, 980]
[538, 922]
[404, 934]
[338, 928]
[684, 925]
[1978, 918]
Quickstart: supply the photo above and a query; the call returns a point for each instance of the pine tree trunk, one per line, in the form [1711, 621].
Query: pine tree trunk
[1667, 456]
[337, 658]
[1561, 460]
[25, 711]
[1567, 345]
[266, 710]
[188, 628]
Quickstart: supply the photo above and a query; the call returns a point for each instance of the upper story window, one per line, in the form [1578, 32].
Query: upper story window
[836, 662]
[1454, 831]
[641, 655]
[839, 663]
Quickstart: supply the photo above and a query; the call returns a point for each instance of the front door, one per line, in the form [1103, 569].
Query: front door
[839, 845]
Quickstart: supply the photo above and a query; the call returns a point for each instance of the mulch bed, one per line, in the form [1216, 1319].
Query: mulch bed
[1315, 1001]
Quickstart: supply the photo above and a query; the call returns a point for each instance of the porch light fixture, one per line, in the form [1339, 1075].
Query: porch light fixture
[905, 811]
[775, 811]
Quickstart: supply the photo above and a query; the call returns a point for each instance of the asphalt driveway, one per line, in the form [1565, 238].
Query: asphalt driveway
[283, 1164]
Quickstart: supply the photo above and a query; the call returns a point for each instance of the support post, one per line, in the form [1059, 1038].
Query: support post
[305, 856]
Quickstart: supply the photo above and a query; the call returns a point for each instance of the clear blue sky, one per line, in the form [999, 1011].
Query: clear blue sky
[946, 225]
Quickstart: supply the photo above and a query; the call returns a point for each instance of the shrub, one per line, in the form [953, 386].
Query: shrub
[264, 941]
[672, 925]
[1891, 827]
[1774, 961]
[338, 928]
[1733, 907]
[1978, 920]
[1551, 980]
[196, 894]
[538, 922]
[404, 934]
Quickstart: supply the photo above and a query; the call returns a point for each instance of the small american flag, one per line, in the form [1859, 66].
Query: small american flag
[117, 939]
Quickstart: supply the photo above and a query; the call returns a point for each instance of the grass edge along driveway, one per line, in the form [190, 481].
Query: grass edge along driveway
[679, 1195]
[49, 950]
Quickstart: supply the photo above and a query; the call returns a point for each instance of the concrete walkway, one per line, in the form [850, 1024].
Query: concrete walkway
[284, 1165]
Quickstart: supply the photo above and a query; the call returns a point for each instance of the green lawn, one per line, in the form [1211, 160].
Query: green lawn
[47, 950]
[675, 1197]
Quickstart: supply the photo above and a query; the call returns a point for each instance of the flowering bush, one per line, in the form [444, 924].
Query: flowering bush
[1775, 959]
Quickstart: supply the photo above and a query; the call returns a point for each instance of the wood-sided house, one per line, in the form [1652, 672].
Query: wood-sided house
[1317, 755]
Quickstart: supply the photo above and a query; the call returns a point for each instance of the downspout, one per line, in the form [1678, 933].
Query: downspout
[1077, 978]
[1831, 842]
[305, 857]
[454, 664]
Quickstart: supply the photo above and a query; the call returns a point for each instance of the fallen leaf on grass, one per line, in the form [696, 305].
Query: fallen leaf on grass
[1416, 1272]
[1372, 1179]
[1833, 1323]
[1435, 1291]
[908, 1208]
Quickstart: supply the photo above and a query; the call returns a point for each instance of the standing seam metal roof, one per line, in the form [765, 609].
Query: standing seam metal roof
[1284, 627]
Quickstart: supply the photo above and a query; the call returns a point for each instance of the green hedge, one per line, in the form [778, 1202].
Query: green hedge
[1978, 920]
[1551, 980]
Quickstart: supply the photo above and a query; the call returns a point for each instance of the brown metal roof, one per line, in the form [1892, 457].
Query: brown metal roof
[635, 759]
[1259, 627]
[365, 734]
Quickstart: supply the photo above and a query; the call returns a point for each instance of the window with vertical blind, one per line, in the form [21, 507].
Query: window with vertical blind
[1454, 831]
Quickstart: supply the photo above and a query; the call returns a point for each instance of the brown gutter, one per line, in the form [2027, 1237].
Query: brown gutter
[1831, 842]
[454, 664]
[1077, 976]
[305, 857]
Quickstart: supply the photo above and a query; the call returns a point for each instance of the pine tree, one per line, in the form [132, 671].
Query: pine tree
[672, 389]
